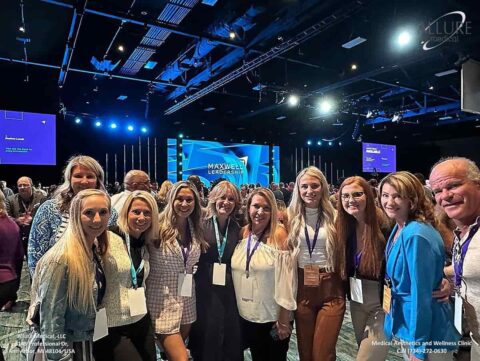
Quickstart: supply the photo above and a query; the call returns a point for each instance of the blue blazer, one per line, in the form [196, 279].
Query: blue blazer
[415, 267]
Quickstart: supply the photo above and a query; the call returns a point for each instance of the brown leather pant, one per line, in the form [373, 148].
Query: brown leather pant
[319, 317]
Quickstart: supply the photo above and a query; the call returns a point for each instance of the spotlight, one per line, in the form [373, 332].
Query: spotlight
[231, 34]
[21, 29]
[121, 48]
[78, 120]
[354, 67]
[340, 144]
[404, 38]
[293, 100]
[431, 87]
[113, 125]
[330, 143]
[397, 117]
[319, 142]
[309, 142]
[369, 114]
[143, 129]
[98, 123]
[130, 128]
[326, 106]
[180, 135]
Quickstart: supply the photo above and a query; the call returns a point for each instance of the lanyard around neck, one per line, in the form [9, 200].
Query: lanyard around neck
[220, 246]
[133, 272]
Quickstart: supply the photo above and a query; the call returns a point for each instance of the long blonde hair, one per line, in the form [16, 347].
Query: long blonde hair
[168, 230]
[73, 249]
[296, 214]
[218, 192]
[152, 233]
[270, 231]
[164, 189]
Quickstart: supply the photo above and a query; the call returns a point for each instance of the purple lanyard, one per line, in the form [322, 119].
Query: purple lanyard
[357, 260]
[311, 246]
[250, 255]
[185, 254]
[459, 253]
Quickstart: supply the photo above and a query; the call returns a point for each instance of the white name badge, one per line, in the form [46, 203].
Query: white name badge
[458, 313]
[137, 301]
[101, 325]
[246, 289]
[219, 274]
[356, 291]
[185, 282]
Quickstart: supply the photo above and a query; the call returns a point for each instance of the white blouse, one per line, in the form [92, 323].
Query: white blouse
[274, 281]
[319, 254]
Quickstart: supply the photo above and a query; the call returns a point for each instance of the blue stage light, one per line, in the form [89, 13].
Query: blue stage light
[130, 128]
[98, 123]
[309, 142]
[319, 142]
[180, 135]
[113, 125]
[143, 129]
[78, 120]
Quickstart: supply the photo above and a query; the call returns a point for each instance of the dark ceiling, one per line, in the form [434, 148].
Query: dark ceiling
[281, 47]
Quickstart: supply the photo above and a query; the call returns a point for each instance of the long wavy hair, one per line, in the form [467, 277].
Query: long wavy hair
[373, 238]
[151, 234]
[270, 230]
[296, 215]
[218, 192]
[409, 187]
[163, 191]
[74, 250]
[168, 230]
[64, 193]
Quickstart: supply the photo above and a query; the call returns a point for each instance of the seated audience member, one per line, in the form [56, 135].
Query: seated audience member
[415, 258]
[126, 264]
[135, 180]
[82, 172]
[69, 282]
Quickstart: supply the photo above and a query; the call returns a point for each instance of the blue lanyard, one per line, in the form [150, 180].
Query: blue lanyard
[186, 250]
[220, 246]
[459, 253]
[133, 273]
[250, 255]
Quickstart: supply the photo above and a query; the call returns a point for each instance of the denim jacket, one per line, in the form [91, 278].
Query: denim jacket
[59, 324]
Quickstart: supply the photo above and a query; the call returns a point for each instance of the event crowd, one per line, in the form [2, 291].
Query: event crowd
[207, 273]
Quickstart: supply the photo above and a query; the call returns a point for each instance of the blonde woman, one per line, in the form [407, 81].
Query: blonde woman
[415, 258]
[216, 335]
[321, 292]
[170, 286]
[163, 194]
[69, 282]
[264, 280]
[130, 334]
[50, 221]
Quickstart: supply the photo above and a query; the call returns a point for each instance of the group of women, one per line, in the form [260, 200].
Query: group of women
[193, 273]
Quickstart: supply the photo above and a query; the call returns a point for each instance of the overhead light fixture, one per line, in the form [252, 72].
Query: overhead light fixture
[113, 125]
[281, 117]
[446, 72]
[78, 120]
[396, 118]
[130, 128]
[98, 123]
[231, 34]
[150, 64]
[209, 109]
[293, 100]
[121, 48]
[352, 43]
[309, 142]
[21, 29]
[354, 67]
[326, 106]
[369, 114]
[143, 129]
[122, 97]
[431, 87]
[319, 142]
[404, 38]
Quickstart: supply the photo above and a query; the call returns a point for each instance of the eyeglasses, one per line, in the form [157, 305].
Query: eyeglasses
[354, 195]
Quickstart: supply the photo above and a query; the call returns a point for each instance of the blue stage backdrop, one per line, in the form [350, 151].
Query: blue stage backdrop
[237, 162]
[27, 138]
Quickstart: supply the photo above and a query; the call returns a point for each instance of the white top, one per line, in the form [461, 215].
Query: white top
[274, 281]
[319, 254]
[471, 276]
[118, 200]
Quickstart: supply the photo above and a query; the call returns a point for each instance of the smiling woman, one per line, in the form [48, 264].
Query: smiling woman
[82, 172]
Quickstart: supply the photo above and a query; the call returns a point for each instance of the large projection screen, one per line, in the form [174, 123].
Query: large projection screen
[239, 163]
[27, 138]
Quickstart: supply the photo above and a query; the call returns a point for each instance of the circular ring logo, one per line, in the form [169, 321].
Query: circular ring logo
[426, 45]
